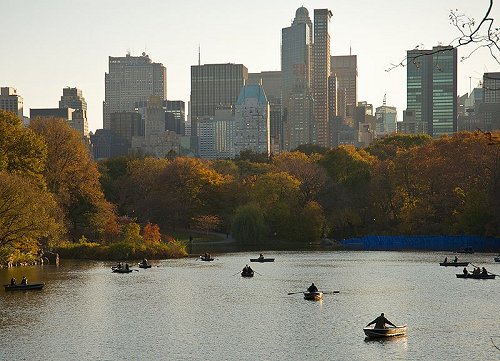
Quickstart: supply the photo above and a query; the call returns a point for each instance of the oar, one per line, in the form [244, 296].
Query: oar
[237, 273]
[330, 292]
[294, 293]
[135, 270]
[258, 273]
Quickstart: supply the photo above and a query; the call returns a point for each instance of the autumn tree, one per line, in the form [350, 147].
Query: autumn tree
[72, 176]
[151, 233]
[313, 178]
[189, 187]
[22, 151]
[206, 222]
[28, 213]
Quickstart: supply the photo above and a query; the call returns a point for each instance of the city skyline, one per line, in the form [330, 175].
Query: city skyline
[78, 56]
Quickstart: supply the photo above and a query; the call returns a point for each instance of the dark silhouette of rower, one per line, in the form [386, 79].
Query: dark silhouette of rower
[12, 281]
[381, 321]
[24, 281]
[312, 288]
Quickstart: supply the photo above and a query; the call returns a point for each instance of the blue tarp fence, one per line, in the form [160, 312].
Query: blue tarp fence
[430, 243]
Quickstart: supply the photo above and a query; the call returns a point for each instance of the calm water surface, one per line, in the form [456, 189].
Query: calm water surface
[192, 310]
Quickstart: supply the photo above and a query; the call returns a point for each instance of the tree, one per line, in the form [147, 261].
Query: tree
[28, 213]
[207, 222]
[151, 233]
[72, 177]
[22, 151]
[189, 187]
[248, 224]
[312, 176]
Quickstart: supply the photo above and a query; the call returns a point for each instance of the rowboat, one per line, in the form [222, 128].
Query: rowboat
[497, 259]
[385, 332]
[121, 270]
[247, 273]
[313, 296]
[207, 259]
[31, 286]
[142, 265]
[261, 260]
[477, 277]
[454, 264]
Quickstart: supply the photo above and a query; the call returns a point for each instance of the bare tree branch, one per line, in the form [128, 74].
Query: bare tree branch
[480, 35]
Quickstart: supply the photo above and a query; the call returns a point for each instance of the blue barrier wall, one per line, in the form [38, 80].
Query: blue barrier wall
[430, 243]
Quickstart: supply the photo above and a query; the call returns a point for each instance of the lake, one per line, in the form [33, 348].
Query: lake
[187, 309]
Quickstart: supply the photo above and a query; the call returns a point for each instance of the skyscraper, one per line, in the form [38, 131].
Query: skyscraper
[296, 72]
[344, 69]
[271, 82]
[11, 101]
[212, 86]
[73, 98]
[432, 88]
[321, 74]
[490, 109]
[386, 118]
[132, 79]
[251, 123]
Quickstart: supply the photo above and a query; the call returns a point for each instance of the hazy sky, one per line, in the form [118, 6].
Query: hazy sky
[50, 44]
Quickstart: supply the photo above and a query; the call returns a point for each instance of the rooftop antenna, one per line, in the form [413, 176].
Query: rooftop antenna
[350, 48]
[199, 55]
[384, 102]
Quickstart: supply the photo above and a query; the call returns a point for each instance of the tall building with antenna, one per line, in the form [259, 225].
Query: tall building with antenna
[132, 79]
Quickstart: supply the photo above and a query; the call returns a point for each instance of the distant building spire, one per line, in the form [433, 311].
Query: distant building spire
[199, 55]
[384, 102]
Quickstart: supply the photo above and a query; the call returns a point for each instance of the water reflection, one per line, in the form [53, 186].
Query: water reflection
[187, 309]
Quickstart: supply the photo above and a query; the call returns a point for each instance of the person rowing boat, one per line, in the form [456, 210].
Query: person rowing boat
[381, 322]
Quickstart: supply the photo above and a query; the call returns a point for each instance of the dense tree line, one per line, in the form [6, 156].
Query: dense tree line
[402, 184]
[51, 191]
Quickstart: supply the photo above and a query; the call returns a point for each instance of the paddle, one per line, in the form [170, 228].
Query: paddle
[237, 273]
[258, 273]
[324, 292]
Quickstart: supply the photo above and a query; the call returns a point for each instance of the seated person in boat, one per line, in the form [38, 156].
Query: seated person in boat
[247, 269]
[465, 271]
[484, 272]
[381, 321]
[145, 262]
[12, 281]
[456, 259]
[126, 266]
[119, 265]
[261, 256]
[312, 288]
[445, 260]
[477, 271]
[24, 281]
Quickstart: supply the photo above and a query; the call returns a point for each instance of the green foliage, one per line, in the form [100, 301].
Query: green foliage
[309, 149]
[389, 146]
[122, 250]
[348, 166]
[248, 223]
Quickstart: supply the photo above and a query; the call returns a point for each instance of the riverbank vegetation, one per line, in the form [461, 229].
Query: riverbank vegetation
[54, 196]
